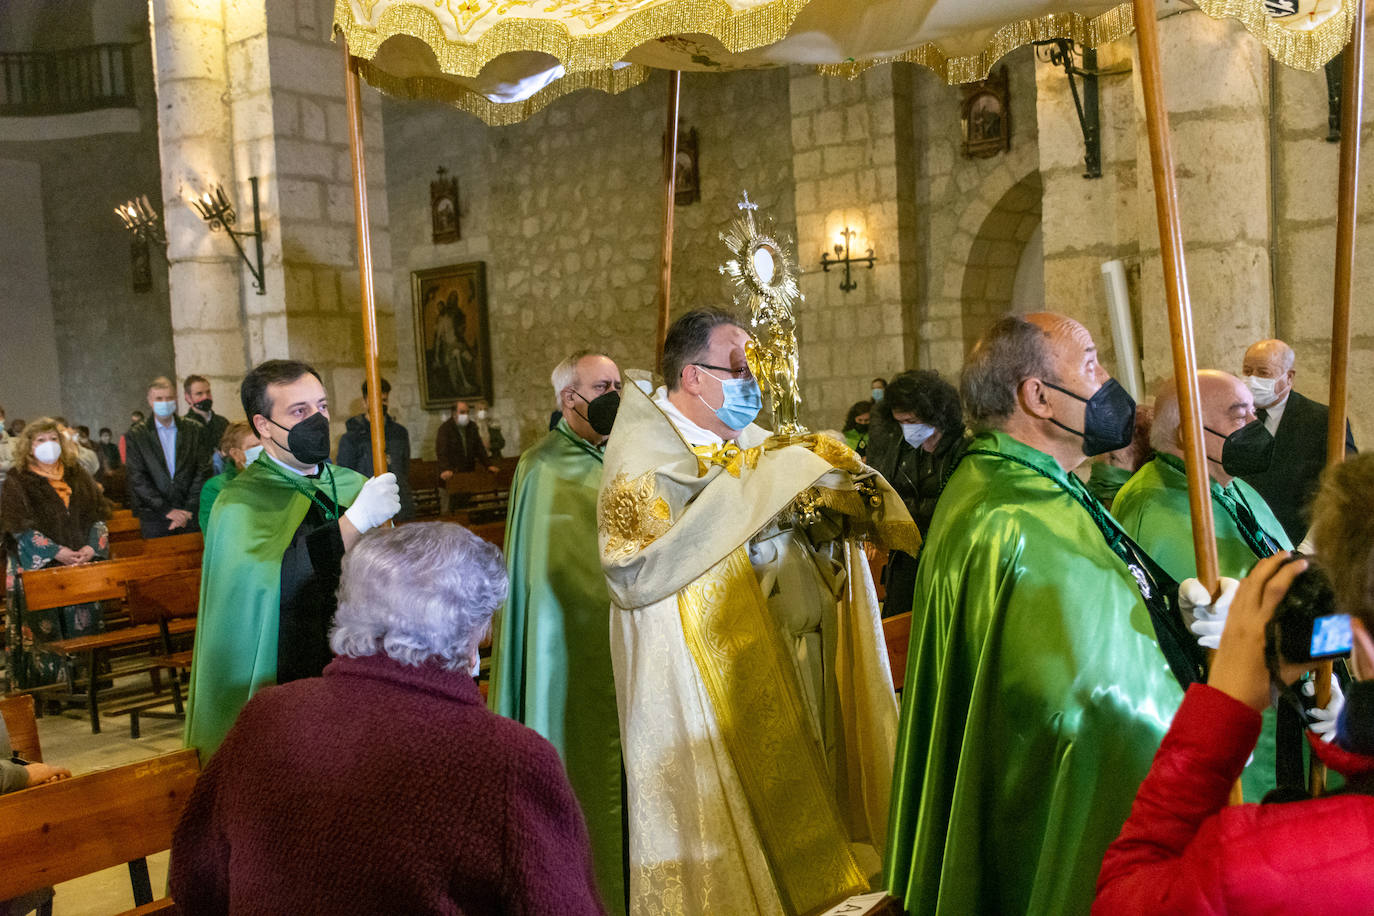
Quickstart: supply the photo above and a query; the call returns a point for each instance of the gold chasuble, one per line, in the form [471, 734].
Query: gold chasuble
[757, 715]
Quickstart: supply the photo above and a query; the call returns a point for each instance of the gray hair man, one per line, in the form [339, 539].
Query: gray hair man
[1033, 614]
[475, 814]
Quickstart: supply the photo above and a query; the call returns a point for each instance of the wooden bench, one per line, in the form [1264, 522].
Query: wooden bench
[123, 528]
[169, 603]
[17, 711]
[425, 485]
[156, 547]
[63, 585]
[63, 830]
[485, 496]
[897, 635]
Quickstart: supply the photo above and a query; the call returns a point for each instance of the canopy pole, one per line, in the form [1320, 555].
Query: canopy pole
[1347, 193]
[665, 274]
[1180, 308]
[353, 98]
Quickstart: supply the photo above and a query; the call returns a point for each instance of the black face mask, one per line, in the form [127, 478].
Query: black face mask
[308, 440]
[204, 405]
[601, 411]
[1246, 451]
[1108, 421]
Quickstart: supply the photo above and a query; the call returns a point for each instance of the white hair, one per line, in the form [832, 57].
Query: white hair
[418, 592]
[565, 374]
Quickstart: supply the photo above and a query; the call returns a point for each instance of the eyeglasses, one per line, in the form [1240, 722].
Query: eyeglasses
[743, 373]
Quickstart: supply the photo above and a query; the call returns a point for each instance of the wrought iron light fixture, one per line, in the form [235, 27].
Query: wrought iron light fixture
[843, 257]
[141, 219]
[217, 210]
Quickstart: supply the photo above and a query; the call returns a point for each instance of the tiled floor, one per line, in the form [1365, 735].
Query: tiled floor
[67, 741]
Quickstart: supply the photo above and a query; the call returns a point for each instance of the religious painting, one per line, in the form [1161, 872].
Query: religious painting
[141, 264]
[986, 116]
[452, 342]
[443, 205]
[688, 178]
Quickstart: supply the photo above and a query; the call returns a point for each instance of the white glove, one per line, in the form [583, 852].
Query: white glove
[379, 500]
[1323, 721]
[1208, 618]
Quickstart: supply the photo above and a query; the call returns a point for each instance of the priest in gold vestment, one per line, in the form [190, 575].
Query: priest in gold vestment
[757, 714]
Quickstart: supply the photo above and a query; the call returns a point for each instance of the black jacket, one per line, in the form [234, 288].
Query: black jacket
[1299, 456]
[459, 448]
[355, 452]
[918, 476]
[154, 492]
[212, 429]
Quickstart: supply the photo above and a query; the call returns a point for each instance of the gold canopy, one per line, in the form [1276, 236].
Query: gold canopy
[505, 59]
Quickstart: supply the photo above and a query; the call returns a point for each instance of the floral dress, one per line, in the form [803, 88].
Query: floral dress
[37, 551]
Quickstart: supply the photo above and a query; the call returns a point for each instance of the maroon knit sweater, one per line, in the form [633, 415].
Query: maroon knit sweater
[381, 788]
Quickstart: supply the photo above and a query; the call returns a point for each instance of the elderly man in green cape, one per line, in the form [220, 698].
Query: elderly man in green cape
[1046, 649]
[551, 651]
[1153, 508]
[273, 548]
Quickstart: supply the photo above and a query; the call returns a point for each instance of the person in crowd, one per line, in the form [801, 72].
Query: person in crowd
[916, 438]
[6, 454]
[135, 418]
[856, 426]
[458, 446]
[476, 815]
[877, 388]
[743, 631]
[85, 450]
[1153, 508]
[489, 431]
[1184, 849]
[108, 452]
[550, 656]
[16, 774]
[16, 426]
[200, 408]
[241, 447]
[1046, 654]
[1298, 425]
[271, 564]
[52, 514]
[168, 462]
[355, 449]
[1111, 470]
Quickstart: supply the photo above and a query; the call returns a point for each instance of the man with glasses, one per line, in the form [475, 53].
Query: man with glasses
[756, 778]
[550, 656]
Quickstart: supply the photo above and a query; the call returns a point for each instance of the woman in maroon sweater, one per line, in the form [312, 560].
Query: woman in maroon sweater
[1183, 850]
[386, 786]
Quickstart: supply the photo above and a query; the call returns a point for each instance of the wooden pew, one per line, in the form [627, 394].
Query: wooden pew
[174, 543]
[17, 711]
[47, 588]
[63, 830]
[897, 635]
[425, 485]
[165, 602]
[123, 528]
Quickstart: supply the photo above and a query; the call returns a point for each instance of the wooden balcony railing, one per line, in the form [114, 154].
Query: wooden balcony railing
[60, 82]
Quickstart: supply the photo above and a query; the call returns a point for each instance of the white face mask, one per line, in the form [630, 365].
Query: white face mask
[1262, 389]
[481, 414]
[47, 452]
[461, 419]
[251, 454]
[916, 434]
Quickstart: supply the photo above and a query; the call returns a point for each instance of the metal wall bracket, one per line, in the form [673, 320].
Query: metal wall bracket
[218, 211]
[1060, 53]
[1335, 73]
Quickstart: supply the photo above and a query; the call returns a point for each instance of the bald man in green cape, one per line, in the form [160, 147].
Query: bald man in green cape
[273, 545]
[551, 651]
[1153, 508]
[1046, 653]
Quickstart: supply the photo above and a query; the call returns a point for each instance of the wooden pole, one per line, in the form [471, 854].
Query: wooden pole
[1180, 309]
[353, 98]
[1347, 193]
[665, 273]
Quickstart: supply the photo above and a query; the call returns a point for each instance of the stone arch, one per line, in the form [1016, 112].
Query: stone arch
[995, 254]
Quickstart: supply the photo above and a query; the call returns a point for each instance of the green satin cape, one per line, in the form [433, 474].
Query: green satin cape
[212, 489]
[1153, 508]
[235, 653]
[551, 651]
[1035, 698]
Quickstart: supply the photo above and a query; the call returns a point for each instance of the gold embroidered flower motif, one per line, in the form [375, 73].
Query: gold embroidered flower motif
[729, 456]
[631, 515]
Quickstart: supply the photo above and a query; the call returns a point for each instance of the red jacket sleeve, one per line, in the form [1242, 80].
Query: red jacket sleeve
[1154, 866]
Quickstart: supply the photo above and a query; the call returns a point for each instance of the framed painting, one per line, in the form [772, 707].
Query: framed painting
[452, 342]
[985, 116]
[443, 209]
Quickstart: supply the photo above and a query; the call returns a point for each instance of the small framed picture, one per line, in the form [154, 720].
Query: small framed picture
[452, 343]
[688, 183]
[443, 205]
[986, 117]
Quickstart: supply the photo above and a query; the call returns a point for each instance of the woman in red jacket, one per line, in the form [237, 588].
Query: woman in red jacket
[1183, 850]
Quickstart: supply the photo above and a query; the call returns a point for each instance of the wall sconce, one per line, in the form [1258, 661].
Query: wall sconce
[141, 219]
[219, 213]
[842, 256]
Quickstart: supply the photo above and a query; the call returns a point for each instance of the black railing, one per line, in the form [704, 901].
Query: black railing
[59, 82]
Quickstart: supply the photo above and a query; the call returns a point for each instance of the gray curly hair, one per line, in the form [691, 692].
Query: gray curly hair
[418, 592]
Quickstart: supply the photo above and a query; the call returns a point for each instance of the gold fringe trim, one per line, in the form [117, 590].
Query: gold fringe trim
[1309, 49]
[737, 30]
[1087, 32]
[500, 114]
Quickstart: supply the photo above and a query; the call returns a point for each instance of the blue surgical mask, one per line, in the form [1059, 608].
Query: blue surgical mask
[877, 395]
[742, 403]
[916, 434]
[164, 408]
[251, 454]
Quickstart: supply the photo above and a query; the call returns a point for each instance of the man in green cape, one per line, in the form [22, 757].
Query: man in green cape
[1045, 660]
[1153, 508]
[551, 650]
[276, 537]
